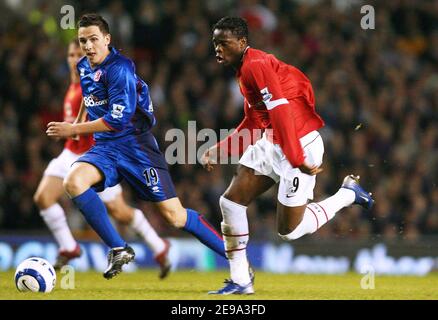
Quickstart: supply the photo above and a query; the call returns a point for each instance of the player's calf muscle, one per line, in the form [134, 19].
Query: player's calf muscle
[120, 211]
[176, 218]
[174, 213]
[288, 218]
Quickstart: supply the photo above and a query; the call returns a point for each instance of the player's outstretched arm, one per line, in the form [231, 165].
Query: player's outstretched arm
[234, 144]
[67, 130]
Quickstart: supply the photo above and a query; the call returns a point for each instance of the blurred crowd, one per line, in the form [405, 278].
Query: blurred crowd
[376, 89]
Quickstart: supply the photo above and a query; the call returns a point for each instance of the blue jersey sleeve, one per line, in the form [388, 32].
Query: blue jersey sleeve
[122, 95]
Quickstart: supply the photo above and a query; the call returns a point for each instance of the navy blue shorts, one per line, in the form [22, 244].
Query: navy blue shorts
[138, 160]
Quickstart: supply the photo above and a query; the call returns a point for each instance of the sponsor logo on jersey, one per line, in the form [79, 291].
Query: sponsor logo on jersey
[97, 75]
[82, 70]
[92, 101]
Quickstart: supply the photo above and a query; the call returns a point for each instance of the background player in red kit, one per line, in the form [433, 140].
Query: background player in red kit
[279, 100]
[51, 189]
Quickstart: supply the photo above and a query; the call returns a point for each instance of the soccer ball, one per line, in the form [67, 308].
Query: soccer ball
[36, 275]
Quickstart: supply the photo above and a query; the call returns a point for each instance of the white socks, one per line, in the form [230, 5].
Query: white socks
[318, 214]
[142, 227]
[235, 233]
[54, 217]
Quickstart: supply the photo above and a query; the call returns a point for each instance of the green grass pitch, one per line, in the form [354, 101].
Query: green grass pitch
[187, 285]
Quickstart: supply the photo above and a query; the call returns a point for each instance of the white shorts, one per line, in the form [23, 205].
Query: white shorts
[60, 166]
[266, 158]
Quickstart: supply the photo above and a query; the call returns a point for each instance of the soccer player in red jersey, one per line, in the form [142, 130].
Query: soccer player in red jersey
[51, 189]
[279, 100]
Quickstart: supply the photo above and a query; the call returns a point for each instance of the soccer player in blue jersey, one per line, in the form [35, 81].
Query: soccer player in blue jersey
[120, 115]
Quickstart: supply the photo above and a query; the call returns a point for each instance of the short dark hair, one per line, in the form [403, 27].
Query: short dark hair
[93, 19]
[236, 25]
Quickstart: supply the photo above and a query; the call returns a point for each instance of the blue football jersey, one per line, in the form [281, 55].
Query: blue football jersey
[112, 91]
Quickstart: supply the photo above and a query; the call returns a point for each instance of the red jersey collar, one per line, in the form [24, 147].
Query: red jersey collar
[243, 57]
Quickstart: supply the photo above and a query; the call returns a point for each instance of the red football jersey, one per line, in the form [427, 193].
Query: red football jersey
[72, 104]
[278, 96]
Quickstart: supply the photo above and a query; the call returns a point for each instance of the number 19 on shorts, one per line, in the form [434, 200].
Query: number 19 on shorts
[151, 176]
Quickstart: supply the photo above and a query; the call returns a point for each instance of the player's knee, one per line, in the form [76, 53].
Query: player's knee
[236, 197]
[37, 199]
[73, 186]
[41, 200]
[226, 204]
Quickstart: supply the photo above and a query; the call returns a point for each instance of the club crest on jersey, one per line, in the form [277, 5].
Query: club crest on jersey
[97, 75]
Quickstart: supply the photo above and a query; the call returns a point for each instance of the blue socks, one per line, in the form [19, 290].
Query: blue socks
[205, 233]
[96, 215]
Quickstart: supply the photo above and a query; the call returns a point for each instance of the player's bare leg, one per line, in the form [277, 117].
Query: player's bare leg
[125, 214]
[48, 193]
[288, 218]
[119, 209]
[81, 177]
[245, 186]
[173, 212]
[46, 197]
[294, 222]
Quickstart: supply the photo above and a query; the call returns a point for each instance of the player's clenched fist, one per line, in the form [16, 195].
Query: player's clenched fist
[60, 130]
